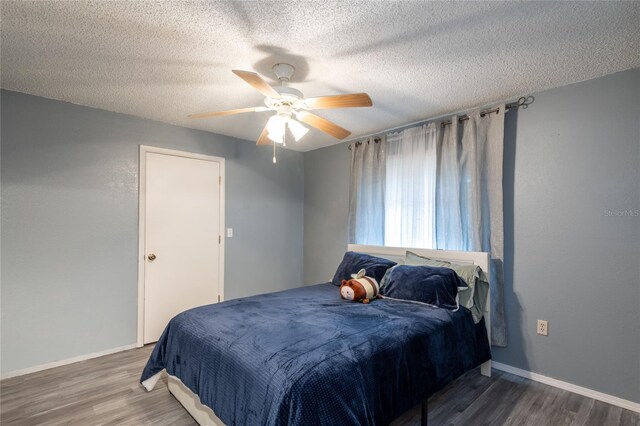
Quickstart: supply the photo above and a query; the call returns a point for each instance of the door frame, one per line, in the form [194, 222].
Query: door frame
[142, 197]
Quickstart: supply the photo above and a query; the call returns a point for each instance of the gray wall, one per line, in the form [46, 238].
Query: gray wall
[326, 204]
[575, 156]
[70, 231]
[569, 158]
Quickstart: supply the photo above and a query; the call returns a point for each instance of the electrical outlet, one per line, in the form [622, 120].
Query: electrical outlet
[543, 327]
[229, 232]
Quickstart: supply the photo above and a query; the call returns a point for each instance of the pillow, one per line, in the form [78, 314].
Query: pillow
[387, 275]
[473, 276]
[425, 284]
[416, 260]
[353, 262]
[397, 259]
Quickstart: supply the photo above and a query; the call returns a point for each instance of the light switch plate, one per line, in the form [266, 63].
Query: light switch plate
[229, 232]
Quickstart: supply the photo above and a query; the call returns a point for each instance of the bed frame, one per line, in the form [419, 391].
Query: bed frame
[205, 415]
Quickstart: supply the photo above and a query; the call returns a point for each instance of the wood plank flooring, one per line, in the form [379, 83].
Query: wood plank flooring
[105, 391]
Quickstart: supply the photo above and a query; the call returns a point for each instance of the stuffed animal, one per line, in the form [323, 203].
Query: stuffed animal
[359, 288]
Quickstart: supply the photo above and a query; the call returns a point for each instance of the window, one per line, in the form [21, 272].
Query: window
[410, 191]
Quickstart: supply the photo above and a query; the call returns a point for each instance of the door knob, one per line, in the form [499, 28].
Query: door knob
[151, 257]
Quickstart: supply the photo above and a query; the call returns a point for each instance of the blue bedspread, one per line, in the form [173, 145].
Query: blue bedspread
[306, 357]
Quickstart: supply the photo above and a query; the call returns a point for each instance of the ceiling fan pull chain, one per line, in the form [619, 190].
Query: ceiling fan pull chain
[274, 153]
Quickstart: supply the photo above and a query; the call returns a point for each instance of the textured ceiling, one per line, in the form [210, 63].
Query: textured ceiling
[164, 60]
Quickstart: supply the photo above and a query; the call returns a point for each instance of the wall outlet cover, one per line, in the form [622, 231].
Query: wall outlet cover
[543, 328]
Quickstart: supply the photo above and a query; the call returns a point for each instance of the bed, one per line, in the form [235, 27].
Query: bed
[304, 356]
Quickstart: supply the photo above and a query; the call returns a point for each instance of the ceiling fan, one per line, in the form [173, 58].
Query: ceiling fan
[291, 107]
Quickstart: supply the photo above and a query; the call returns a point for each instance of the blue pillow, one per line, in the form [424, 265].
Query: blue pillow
[425, 284]
[352, 262]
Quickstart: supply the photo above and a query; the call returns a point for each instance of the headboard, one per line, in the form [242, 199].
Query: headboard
[470, 257]
[480, 259]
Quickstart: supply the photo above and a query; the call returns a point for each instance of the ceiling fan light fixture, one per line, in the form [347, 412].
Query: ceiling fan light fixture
[297, 130]
[276, 137]
[276, 128]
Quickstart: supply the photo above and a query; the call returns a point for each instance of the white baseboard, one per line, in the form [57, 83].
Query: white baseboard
[48, 365]
[590, 393]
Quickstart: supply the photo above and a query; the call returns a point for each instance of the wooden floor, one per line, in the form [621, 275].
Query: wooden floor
[105, 391]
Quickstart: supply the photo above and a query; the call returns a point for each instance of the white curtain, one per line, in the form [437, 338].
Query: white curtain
[410, 188]
[448, 215]
[438, 186]
[490, 142]
[469, 198]
[366, 191]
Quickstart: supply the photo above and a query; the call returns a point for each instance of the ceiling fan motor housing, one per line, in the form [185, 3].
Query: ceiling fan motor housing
[289, 92]
[290, 98]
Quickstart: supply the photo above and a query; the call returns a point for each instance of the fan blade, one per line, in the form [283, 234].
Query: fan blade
[264, 139]
[258, 83]
[228, 112]
[340, 101]
[323, 124]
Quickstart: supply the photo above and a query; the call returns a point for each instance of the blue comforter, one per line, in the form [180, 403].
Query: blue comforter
[306, 357]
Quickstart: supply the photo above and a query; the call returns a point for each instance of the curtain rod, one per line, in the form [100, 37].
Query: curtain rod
[522, 102]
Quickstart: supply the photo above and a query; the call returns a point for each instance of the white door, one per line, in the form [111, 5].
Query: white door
[182, 209]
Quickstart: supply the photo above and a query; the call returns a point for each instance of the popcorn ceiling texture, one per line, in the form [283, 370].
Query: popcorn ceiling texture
[164, 60]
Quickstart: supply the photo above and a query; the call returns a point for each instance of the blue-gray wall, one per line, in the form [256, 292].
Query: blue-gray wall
[570, 158]
[326, 207]
[70, 224]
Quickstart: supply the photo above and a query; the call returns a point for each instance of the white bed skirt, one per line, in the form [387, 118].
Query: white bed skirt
[190, 401]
